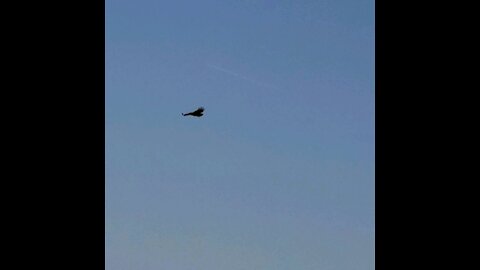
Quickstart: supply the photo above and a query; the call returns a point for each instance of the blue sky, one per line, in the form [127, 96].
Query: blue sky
[279, 173]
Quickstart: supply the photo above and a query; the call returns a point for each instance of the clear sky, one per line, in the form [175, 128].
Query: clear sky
[279, 173]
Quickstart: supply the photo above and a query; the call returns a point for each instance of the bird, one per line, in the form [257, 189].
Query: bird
[197, 113]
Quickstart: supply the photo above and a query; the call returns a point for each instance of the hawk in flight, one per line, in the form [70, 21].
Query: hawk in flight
[197, 113]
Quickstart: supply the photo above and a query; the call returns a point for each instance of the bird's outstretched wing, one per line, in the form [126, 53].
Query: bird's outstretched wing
[199, 110]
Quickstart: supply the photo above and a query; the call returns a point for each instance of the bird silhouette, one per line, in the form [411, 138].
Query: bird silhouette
[197, 113]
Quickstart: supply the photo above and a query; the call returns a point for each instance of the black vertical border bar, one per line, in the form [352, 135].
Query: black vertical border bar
[57, 195]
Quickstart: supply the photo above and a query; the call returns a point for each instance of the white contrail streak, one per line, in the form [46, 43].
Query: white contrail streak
[240, 76]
